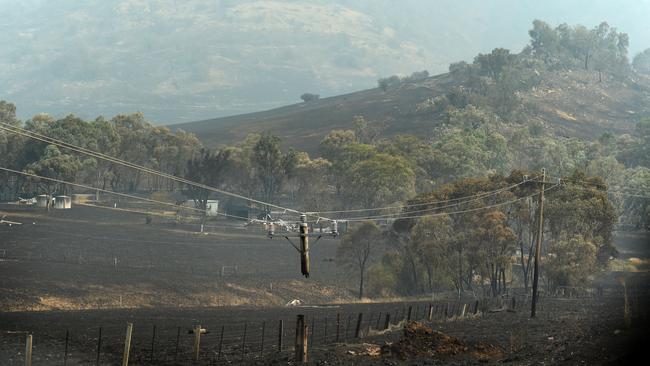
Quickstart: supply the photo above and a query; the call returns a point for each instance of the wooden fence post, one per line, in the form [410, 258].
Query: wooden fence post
[153, 343]
[378, 321]
[99, 345]
[476, 307]
[127, 344]
[197, 341]
[178, 337]
[301, 339]
[280, 333]
[462, 313]
[357, 332]
[387, 322]
[430, 313]
[408, 317]
[28, 350]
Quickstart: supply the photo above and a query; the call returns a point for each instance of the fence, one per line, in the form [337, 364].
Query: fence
[234, 342]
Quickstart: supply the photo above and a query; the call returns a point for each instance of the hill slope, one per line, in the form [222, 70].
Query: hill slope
[179, 61]
[570, 103]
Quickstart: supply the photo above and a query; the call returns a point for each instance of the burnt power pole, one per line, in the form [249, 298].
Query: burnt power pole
[538, 246]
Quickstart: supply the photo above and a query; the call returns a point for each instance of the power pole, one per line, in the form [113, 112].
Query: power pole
[304, 246]
[538, 245]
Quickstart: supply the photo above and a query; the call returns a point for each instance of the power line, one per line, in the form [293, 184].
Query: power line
[117, 193]
[57, 142]
[468, 210]
[478, 195]
[599, 185]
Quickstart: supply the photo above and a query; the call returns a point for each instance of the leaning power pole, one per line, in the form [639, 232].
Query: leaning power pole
[538, 245]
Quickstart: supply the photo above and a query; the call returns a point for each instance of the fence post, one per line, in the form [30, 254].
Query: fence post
[262, 346]
[243, 344]
[430, 314]
[178, 337]
[378, 321]
[197, 341]
[65, 352]
[462, 313]
[153, 343]
[28, 350]
[408, 318]
[387, 322]
[357, 332]
[280, 333]
[301, 339]
[99, 345]
[127, 344]
[476, 307]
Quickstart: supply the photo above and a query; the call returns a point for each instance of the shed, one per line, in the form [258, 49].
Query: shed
[212, 207]
[41, 200]
[63, 202]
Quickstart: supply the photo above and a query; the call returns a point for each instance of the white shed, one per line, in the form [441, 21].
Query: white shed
[63, 202]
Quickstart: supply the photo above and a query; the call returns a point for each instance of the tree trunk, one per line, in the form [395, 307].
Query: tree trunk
[361, 276]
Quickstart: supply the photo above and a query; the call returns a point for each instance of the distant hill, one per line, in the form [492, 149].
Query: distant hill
[569, 103]
[181, 61]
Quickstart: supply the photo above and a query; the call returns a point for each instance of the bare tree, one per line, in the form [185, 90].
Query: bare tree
[358, 247]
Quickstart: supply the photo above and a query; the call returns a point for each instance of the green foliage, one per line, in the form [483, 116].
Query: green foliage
[570, 262]
[601, 48]
[380, 180]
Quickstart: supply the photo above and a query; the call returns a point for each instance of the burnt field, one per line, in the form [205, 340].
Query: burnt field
[91, 258]
[567, 331]
[71, 274]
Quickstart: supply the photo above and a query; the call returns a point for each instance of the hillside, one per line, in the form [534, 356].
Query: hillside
[569, 103]
[181, 61]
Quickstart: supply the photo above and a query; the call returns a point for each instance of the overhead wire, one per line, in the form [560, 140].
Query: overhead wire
[477, 197]
[468, 210]
[57, 142]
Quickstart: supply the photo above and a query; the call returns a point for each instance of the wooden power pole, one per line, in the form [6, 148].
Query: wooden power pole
[538, 245]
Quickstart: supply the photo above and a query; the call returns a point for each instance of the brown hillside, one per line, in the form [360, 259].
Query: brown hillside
[572, 103]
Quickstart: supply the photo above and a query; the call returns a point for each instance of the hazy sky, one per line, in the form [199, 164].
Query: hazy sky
[179, 61]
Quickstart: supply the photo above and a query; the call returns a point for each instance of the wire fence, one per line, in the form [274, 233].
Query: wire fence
[236, 342]
[240, 342]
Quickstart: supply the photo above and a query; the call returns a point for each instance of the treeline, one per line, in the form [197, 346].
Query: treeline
[457, 244]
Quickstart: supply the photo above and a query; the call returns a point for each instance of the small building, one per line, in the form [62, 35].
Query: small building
[212, 208]
[42, 200]
[63, 202]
